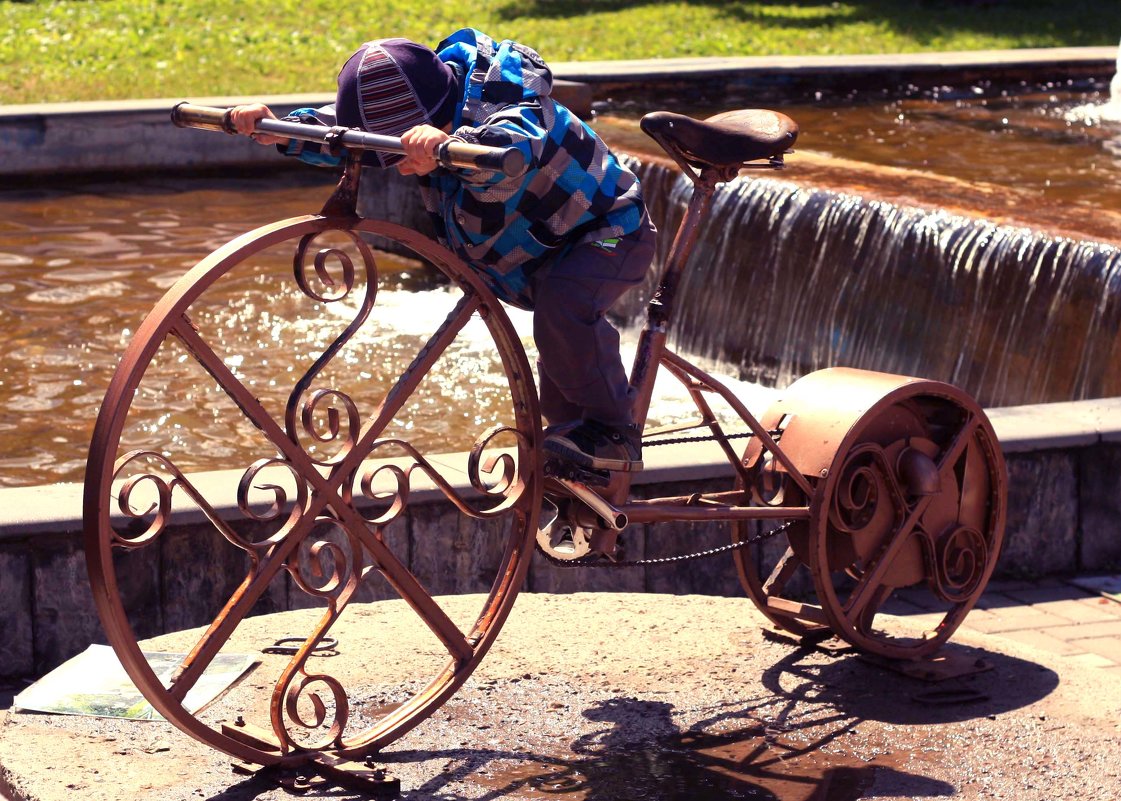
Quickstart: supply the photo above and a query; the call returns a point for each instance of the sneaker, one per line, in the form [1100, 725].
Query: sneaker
[598, 446]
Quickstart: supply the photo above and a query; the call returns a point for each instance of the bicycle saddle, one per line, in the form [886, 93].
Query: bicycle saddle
[725, 140]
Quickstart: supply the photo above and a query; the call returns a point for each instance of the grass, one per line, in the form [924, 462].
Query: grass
[112, 49]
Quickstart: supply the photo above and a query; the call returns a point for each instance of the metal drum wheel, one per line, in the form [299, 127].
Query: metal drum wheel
[909, 505]
[331, 511]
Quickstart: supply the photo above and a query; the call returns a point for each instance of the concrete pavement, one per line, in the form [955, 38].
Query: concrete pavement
[1075, 619]
[626, 696]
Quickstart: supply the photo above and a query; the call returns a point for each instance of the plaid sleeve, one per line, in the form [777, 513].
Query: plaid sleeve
[520, 127]
[311, 152]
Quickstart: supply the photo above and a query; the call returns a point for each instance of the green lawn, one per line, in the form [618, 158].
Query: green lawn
[108, 49]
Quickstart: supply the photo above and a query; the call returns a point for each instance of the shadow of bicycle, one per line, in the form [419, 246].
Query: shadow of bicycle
[819, 729]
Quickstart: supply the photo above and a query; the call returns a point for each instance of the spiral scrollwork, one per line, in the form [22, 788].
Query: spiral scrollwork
[503, 492]
[501, 467]
[322, 417]
[324, 726]
[148, 495]
[145, 496]
[278, 494]
[961, 555]
[329, 415]
[390, 502]
[336, 288]
[325, 562]
[867, 492]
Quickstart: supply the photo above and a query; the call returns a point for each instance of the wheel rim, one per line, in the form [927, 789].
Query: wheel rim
[776, 571]
[327, 523]
[914, 499]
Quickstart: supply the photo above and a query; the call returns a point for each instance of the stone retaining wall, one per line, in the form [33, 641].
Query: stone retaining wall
[1064, 464]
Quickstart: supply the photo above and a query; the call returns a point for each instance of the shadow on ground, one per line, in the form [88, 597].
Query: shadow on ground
[818, 730]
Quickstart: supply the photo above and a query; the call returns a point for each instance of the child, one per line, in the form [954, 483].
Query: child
[566, 239]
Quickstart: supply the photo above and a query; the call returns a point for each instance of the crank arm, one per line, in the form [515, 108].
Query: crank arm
[608, 515]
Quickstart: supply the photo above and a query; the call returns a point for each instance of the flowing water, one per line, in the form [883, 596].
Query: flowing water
[81, 267]
[795, 279]
[787, 278]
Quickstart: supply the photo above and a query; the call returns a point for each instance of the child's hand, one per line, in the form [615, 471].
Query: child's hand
[420, 145]
[245, 119]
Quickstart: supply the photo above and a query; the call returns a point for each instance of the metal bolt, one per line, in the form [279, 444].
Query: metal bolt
[239, 721]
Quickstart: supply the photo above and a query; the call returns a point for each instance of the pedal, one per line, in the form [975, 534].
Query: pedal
[559, 468]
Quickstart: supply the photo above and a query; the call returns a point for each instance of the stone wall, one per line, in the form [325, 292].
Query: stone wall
[1064, 465]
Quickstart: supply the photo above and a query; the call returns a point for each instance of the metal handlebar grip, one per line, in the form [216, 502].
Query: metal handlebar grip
[188, 115]
[451, 153]
[508, 161]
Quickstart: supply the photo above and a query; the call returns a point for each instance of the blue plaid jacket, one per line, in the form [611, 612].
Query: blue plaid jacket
[575, 190]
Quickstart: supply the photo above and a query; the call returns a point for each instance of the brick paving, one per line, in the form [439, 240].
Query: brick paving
[1053, 615]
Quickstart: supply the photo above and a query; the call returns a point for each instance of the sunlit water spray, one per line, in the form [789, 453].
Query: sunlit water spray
[1107, 111]
[81, 268]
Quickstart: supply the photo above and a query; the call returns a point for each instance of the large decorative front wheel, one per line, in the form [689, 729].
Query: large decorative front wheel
[277, 413]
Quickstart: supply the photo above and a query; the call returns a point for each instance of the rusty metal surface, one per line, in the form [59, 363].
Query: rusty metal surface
[322, 442]
[910, 489]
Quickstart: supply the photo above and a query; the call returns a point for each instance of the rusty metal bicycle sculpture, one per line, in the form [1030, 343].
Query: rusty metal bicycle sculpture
[867, 482]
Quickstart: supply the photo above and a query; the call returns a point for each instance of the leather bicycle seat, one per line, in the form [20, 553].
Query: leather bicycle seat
[725, 140]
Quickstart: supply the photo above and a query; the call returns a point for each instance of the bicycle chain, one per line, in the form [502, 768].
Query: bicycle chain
[596, 560]
[650, 443]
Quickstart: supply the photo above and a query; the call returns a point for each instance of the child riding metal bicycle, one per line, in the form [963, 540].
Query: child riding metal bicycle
[567, 238]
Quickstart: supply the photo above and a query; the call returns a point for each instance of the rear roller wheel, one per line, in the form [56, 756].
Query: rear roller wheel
[907, 506]
[914, 499]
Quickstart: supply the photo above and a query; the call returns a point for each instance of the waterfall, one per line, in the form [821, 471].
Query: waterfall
[786, 279]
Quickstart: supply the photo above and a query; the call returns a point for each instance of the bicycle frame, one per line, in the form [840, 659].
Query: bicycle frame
[653, 354]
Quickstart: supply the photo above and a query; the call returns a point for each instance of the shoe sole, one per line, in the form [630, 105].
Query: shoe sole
[574, 454]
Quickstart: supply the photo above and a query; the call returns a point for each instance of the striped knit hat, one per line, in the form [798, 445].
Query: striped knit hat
[390, 85]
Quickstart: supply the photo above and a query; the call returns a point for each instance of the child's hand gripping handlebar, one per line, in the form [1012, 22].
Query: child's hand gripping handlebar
[451, 153]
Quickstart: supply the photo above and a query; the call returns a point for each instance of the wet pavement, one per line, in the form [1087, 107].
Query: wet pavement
[634, 696]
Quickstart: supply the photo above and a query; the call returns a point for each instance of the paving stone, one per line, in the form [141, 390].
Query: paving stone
[1005, 585]
[1092, 660]
[1079, 611]
[1044, 641]
[1086, 630]
[1109, 647]
[1107, 587]
[921, 598]
[901, 606]
[1039, 593]
[1012, 618]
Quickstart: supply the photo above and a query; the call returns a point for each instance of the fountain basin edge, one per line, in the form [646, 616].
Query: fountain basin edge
[1064, 463]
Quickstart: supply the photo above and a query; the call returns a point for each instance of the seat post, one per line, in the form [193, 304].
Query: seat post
[660, 309]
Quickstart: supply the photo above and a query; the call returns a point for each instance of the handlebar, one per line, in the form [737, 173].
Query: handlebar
[451, 153]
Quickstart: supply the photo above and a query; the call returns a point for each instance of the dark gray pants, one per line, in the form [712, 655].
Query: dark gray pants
[580, 370]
